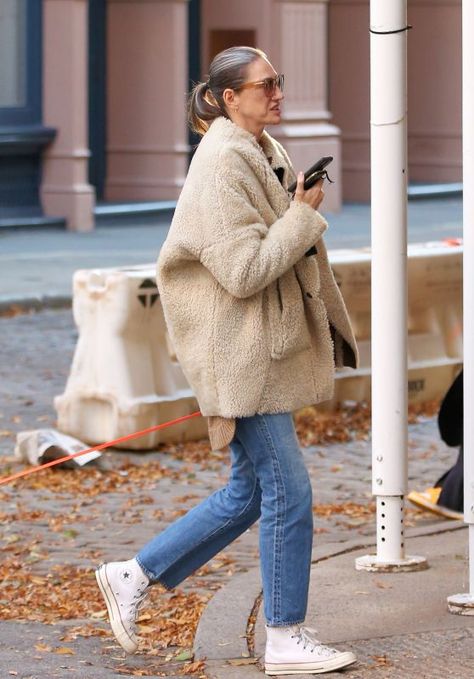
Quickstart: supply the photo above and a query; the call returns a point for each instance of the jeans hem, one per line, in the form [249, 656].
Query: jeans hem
[285, 624]
[152, 578]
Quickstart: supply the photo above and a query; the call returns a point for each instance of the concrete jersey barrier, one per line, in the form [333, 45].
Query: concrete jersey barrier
[125, 377]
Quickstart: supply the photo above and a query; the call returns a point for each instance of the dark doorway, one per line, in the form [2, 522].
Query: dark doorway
[97, 95]
[194, 55]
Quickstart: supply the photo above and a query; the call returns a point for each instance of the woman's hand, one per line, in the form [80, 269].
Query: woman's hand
[313, 196]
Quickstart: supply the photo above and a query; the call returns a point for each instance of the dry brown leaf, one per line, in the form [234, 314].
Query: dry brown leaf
[380, 660]
[193, 667]
[144, 617]
[64, 650]
[352, 509]
[242, 661]
[37, 580]
[348, 422]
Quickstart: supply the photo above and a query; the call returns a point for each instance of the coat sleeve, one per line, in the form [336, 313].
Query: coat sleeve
[245, 255]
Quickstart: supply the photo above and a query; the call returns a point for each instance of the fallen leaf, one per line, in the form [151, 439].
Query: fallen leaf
[146, 629]
[193, 667]
[37, 580]
[242, 661]
[144, 617]
[12, 538]
[64, 650]
[380, 660]
[71, 533]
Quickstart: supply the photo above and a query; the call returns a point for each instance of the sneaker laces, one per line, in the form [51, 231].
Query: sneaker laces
[138, 602]
[307, 636]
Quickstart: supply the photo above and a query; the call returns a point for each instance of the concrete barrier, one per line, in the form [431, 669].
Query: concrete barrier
[434, 318]
[123, 376]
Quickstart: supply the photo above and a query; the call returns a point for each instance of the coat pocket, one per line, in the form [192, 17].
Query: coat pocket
[289, 332]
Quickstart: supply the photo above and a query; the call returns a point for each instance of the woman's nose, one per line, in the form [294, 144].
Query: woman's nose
[278, 94]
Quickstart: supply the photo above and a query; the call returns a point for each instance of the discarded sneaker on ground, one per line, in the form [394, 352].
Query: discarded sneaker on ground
[296, 650]
[124, 587]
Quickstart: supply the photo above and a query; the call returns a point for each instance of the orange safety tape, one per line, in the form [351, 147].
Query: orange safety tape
[101, 446]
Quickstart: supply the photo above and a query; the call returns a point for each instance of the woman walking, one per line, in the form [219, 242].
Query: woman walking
[258, 325]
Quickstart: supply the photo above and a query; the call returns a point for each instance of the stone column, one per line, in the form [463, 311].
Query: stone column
[147, 81]
[300, 37]
[435, 91]
[349, 44]
[65, 189]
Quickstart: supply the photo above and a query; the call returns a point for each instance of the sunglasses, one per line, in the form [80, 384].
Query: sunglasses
[269, 84]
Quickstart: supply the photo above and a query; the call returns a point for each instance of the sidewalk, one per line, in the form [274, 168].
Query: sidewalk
[397, 624]
[36, 267]
[58, 525]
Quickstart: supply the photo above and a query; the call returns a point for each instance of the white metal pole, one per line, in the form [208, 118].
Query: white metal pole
[464, 603]
[468, 270]
[388, 49]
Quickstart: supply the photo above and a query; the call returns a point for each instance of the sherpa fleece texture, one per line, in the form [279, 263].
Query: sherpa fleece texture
[248, 313]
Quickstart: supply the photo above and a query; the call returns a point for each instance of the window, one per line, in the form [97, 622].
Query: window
[20, 62]
[13, 53]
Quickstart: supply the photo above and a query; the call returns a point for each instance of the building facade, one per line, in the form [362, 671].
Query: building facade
[93, 92]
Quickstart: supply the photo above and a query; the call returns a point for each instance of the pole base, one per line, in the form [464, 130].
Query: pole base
[461, 604]
[409, 563]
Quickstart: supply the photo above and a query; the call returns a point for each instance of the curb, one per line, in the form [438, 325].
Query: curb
[36, 303]
[222, 630]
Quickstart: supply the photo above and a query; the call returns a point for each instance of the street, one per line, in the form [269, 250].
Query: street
[58, 525]
[37, 264]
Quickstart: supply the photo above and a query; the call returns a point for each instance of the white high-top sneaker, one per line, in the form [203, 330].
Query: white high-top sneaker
[123, 585]
[296, 650]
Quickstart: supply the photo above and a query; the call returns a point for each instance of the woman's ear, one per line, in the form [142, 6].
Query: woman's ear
[229, 98]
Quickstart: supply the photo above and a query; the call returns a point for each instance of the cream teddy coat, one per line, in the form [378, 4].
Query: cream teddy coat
[257, 326]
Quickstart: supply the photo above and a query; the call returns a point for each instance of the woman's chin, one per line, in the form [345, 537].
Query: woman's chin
[274, 117]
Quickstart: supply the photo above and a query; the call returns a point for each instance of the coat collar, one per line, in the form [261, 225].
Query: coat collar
[264, 158]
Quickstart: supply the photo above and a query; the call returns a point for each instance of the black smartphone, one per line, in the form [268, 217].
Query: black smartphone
[315, 172]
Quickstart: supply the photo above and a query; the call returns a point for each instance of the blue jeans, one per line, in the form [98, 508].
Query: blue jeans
[269, 480]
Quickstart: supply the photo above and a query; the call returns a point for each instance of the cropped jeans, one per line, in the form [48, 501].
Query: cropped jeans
[268, 480]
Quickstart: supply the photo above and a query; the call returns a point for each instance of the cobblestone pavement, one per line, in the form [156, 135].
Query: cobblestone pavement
[58, 527]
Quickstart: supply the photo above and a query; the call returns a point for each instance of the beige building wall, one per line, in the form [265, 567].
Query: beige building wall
[434, 91]
[147, 147]
[321, 46]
